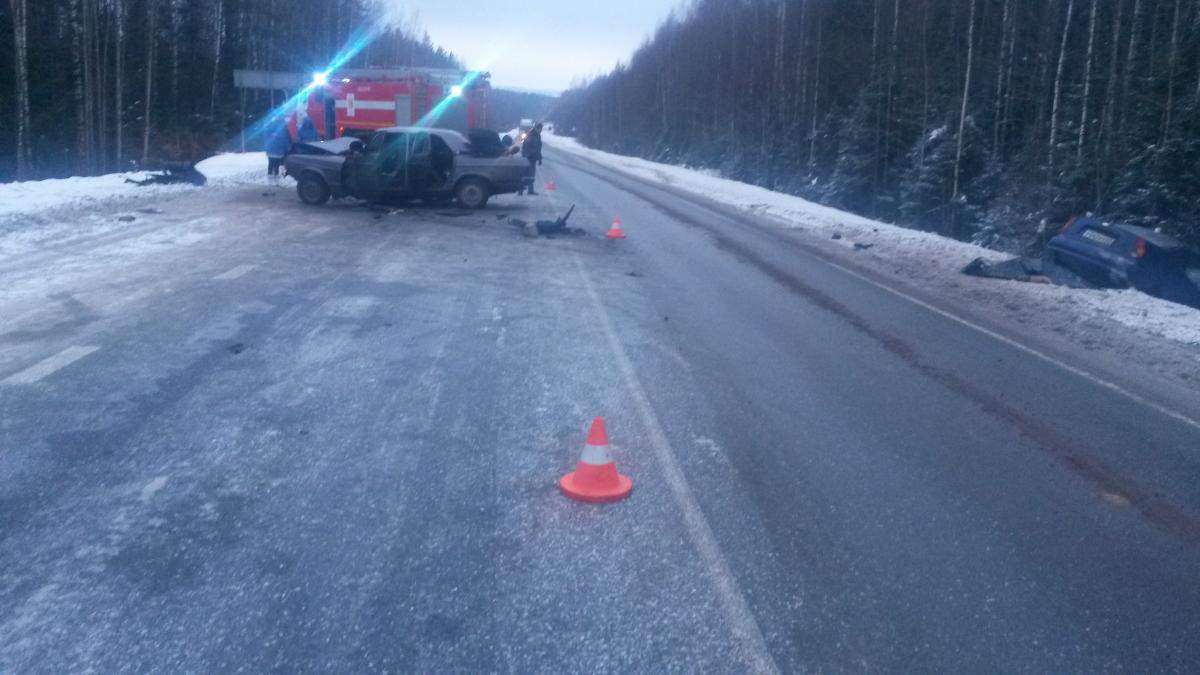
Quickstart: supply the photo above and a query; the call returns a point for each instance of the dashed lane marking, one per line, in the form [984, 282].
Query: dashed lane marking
[235, 273]
[47, 367]
[751, 646]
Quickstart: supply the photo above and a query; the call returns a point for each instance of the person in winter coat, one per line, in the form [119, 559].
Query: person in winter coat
[277, 145]
[306, 132]
[531, 150]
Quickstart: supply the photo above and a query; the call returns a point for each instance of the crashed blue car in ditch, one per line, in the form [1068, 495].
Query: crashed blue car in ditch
[1124, 256]
[1089, 253]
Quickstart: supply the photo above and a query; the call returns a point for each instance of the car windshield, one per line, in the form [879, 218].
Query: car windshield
[381, 140]
[420, 145]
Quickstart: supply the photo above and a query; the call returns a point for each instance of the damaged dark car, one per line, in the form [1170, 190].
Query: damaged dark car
[403, 163]
[1128, 256]
[1089, 253]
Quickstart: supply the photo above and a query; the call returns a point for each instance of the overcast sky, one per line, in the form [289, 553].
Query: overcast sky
[541, 45]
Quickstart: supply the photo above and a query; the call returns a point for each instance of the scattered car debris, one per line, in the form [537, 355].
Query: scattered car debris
[559, 226]
[173, 173]
[149, 211]
[837, 235]
[126, 219]
[859, 246]
[1035, 270]
[549, 228]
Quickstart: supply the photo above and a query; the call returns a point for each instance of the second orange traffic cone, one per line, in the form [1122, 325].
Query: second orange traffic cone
[595, 478]
[615, 232]
[551, 186]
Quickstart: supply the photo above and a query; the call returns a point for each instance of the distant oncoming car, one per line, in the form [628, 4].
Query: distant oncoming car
[1120, 256]
[523, 130]
[435, 165]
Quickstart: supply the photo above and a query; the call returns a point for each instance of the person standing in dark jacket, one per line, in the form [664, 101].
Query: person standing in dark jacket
[531, 150]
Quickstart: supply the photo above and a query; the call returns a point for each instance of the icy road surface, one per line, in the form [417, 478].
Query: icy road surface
[241, 433]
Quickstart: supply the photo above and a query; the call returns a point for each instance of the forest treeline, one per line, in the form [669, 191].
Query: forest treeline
[89, 86]
[987, 120]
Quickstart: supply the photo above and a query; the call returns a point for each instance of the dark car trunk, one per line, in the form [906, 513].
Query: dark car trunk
[1121, 256]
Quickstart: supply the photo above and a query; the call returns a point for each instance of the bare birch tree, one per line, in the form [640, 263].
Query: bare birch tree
[20, 21]
[966, 95]
[151, 56]
[1087, 83]
[1058, 81]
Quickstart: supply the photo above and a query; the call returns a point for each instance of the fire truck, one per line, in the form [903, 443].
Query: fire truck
[356, 102]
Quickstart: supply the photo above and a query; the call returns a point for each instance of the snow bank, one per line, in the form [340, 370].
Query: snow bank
[235, 167]
[24, 198]
[929, 260]
[786, 210]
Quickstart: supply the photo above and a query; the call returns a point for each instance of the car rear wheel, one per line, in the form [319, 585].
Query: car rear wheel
[313, 190]
[472, 193]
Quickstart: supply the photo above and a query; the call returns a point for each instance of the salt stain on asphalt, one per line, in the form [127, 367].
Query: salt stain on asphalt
[153, 487]
[49, 366]
[235, 273]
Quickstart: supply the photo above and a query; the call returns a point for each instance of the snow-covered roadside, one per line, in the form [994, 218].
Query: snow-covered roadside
[930, 260]
[37, 214]
[41, 195]
[1105, 327]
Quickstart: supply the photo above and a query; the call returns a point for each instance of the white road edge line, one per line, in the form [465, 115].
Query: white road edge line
[234, 273]
[49, 366]
[1094, 379]
[746, 632]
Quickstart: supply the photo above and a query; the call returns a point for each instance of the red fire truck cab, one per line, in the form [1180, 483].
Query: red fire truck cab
[360, 101]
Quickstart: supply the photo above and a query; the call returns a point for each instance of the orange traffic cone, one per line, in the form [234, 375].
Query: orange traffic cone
[615, 232]
[551, 186]
[595, 478]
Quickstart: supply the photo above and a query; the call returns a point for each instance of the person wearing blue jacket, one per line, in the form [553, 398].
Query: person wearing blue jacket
[306, 132]
[277, 145]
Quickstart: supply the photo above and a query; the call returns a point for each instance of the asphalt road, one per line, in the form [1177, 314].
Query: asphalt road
[244, 434]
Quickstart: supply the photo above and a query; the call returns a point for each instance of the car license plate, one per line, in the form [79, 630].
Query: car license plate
[1098, 237]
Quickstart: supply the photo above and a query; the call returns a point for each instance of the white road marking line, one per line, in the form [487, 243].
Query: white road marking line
[235, 273]
[1094, 379]
[49, 366]
[318, 231]
[733, 215]
[752, 647]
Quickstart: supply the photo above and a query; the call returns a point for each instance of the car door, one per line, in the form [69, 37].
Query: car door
[381, 169]
[392, 168]
[420, 163]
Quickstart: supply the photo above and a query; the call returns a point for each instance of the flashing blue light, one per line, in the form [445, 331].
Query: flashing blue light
[456, 91]
[358, 41]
